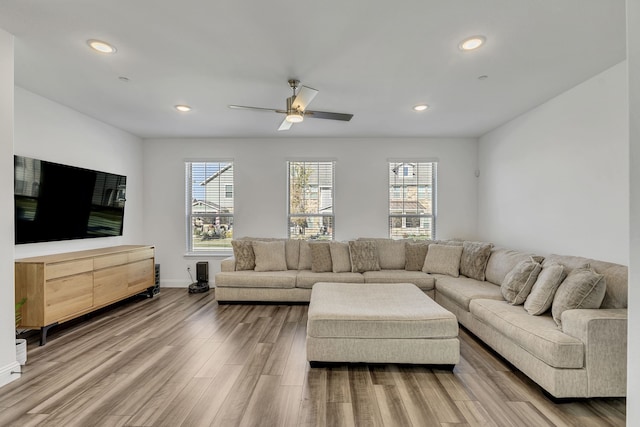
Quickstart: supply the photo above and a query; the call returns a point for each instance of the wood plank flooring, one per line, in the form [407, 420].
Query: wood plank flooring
[183, 360]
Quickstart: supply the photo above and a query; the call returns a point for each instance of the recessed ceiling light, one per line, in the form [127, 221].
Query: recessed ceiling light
[100, 46]
[183, 108]
[420, 107]
[472, 43]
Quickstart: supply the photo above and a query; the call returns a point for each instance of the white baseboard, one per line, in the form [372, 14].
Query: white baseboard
[179, 284]
[9, 373]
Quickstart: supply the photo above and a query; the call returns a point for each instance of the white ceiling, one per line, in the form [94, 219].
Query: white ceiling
[374, 59]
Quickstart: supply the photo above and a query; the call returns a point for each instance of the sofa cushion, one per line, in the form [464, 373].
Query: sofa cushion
[615, 275]
[583, 288]
[543, 291]
[538, 335]
[415, 253]
[462, 290]
[304, 262]
[443, 259]
[269, 255]
[291, 249]
[340, 259]
[257, 279]
[473, 260]
[518, 282]
[502, 262]
[243, 254]
[364, 256]
[391, 254]
[306, 278]
[422, 280]
[321, 257]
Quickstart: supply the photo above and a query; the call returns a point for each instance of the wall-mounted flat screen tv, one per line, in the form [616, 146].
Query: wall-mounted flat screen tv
[60, 202]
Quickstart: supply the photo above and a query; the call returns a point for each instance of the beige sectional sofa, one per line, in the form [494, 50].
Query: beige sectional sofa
[581, 353]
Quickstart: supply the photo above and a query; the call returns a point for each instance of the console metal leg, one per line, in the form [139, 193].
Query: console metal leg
[43, 333]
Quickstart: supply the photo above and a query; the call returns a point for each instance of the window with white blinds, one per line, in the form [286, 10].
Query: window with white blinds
[310, 204]
[412, 199]
[210, 194]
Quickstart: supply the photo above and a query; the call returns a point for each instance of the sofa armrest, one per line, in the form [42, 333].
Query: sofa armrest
[228, 264]
[604, 334]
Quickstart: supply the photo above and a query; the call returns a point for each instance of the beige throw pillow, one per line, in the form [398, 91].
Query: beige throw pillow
[364, 256]
[583, 288]
[391, 254]
[443, 259]
[473, 261]
[340, 258]
[543, 291]
[518, 282]
[321, 257]
[243, 253]
[415, 253]
[270, 256]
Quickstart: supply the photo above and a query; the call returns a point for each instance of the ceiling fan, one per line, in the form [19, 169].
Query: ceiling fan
[297, 107]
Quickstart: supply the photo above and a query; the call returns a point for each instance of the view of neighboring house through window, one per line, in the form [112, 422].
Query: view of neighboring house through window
[412, 189]
[310, 204]
[209, 205]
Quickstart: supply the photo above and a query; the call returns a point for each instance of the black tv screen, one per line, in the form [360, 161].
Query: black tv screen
[60, 202]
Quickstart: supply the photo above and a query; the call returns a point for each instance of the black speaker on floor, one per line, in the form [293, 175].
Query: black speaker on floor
[202, 271]
[202, 277]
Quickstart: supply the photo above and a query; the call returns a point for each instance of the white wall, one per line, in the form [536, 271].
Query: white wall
[361, 194]
[49, 131]
[8, 362]
[633, 370]
[556, 179]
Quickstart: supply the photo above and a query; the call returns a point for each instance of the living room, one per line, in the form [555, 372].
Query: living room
[555, 179]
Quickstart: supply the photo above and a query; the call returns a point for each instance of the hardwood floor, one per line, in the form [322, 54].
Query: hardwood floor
[183, 360]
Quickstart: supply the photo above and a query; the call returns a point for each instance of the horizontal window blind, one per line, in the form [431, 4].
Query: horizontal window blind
[209, 205]
[412, 191]
[310, 199]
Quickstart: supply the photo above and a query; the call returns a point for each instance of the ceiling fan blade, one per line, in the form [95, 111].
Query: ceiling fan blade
[244, 107]
[285, 125]
[304, 96]
[327, 115]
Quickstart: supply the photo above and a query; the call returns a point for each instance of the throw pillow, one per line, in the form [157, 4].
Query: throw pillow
[363, 256]
[340, 257]
[583, 288]
[541, 296]
[270, 256]
[473, 261]
[415, 253]
[443, 259]
[518, 282]
[243, 253]
[321, 257]
[304, 262]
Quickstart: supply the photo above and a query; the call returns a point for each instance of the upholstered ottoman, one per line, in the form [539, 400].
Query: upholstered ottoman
[379, 323]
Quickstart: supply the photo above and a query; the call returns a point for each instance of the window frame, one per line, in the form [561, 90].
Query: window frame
[190, 216]
[400, 189]
[316, 190]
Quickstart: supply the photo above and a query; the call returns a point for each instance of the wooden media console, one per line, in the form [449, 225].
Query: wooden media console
[65, 286]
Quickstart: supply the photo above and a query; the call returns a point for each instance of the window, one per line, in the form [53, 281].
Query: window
[310, 204]
[412, 192]
[209, 206]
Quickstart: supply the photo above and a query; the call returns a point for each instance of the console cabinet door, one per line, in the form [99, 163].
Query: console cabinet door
[110, 284]
[67, 296]
[141, 275]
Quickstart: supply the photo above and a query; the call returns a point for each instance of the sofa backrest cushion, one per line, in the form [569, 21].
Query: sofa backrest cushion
[501, 262]
[615, 276]
[391, 254]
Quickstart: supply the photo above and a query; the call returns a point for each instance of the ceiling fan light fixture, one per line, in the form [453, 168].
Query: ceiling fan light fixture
[472, 43]
[100, 46]
[294, 117]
